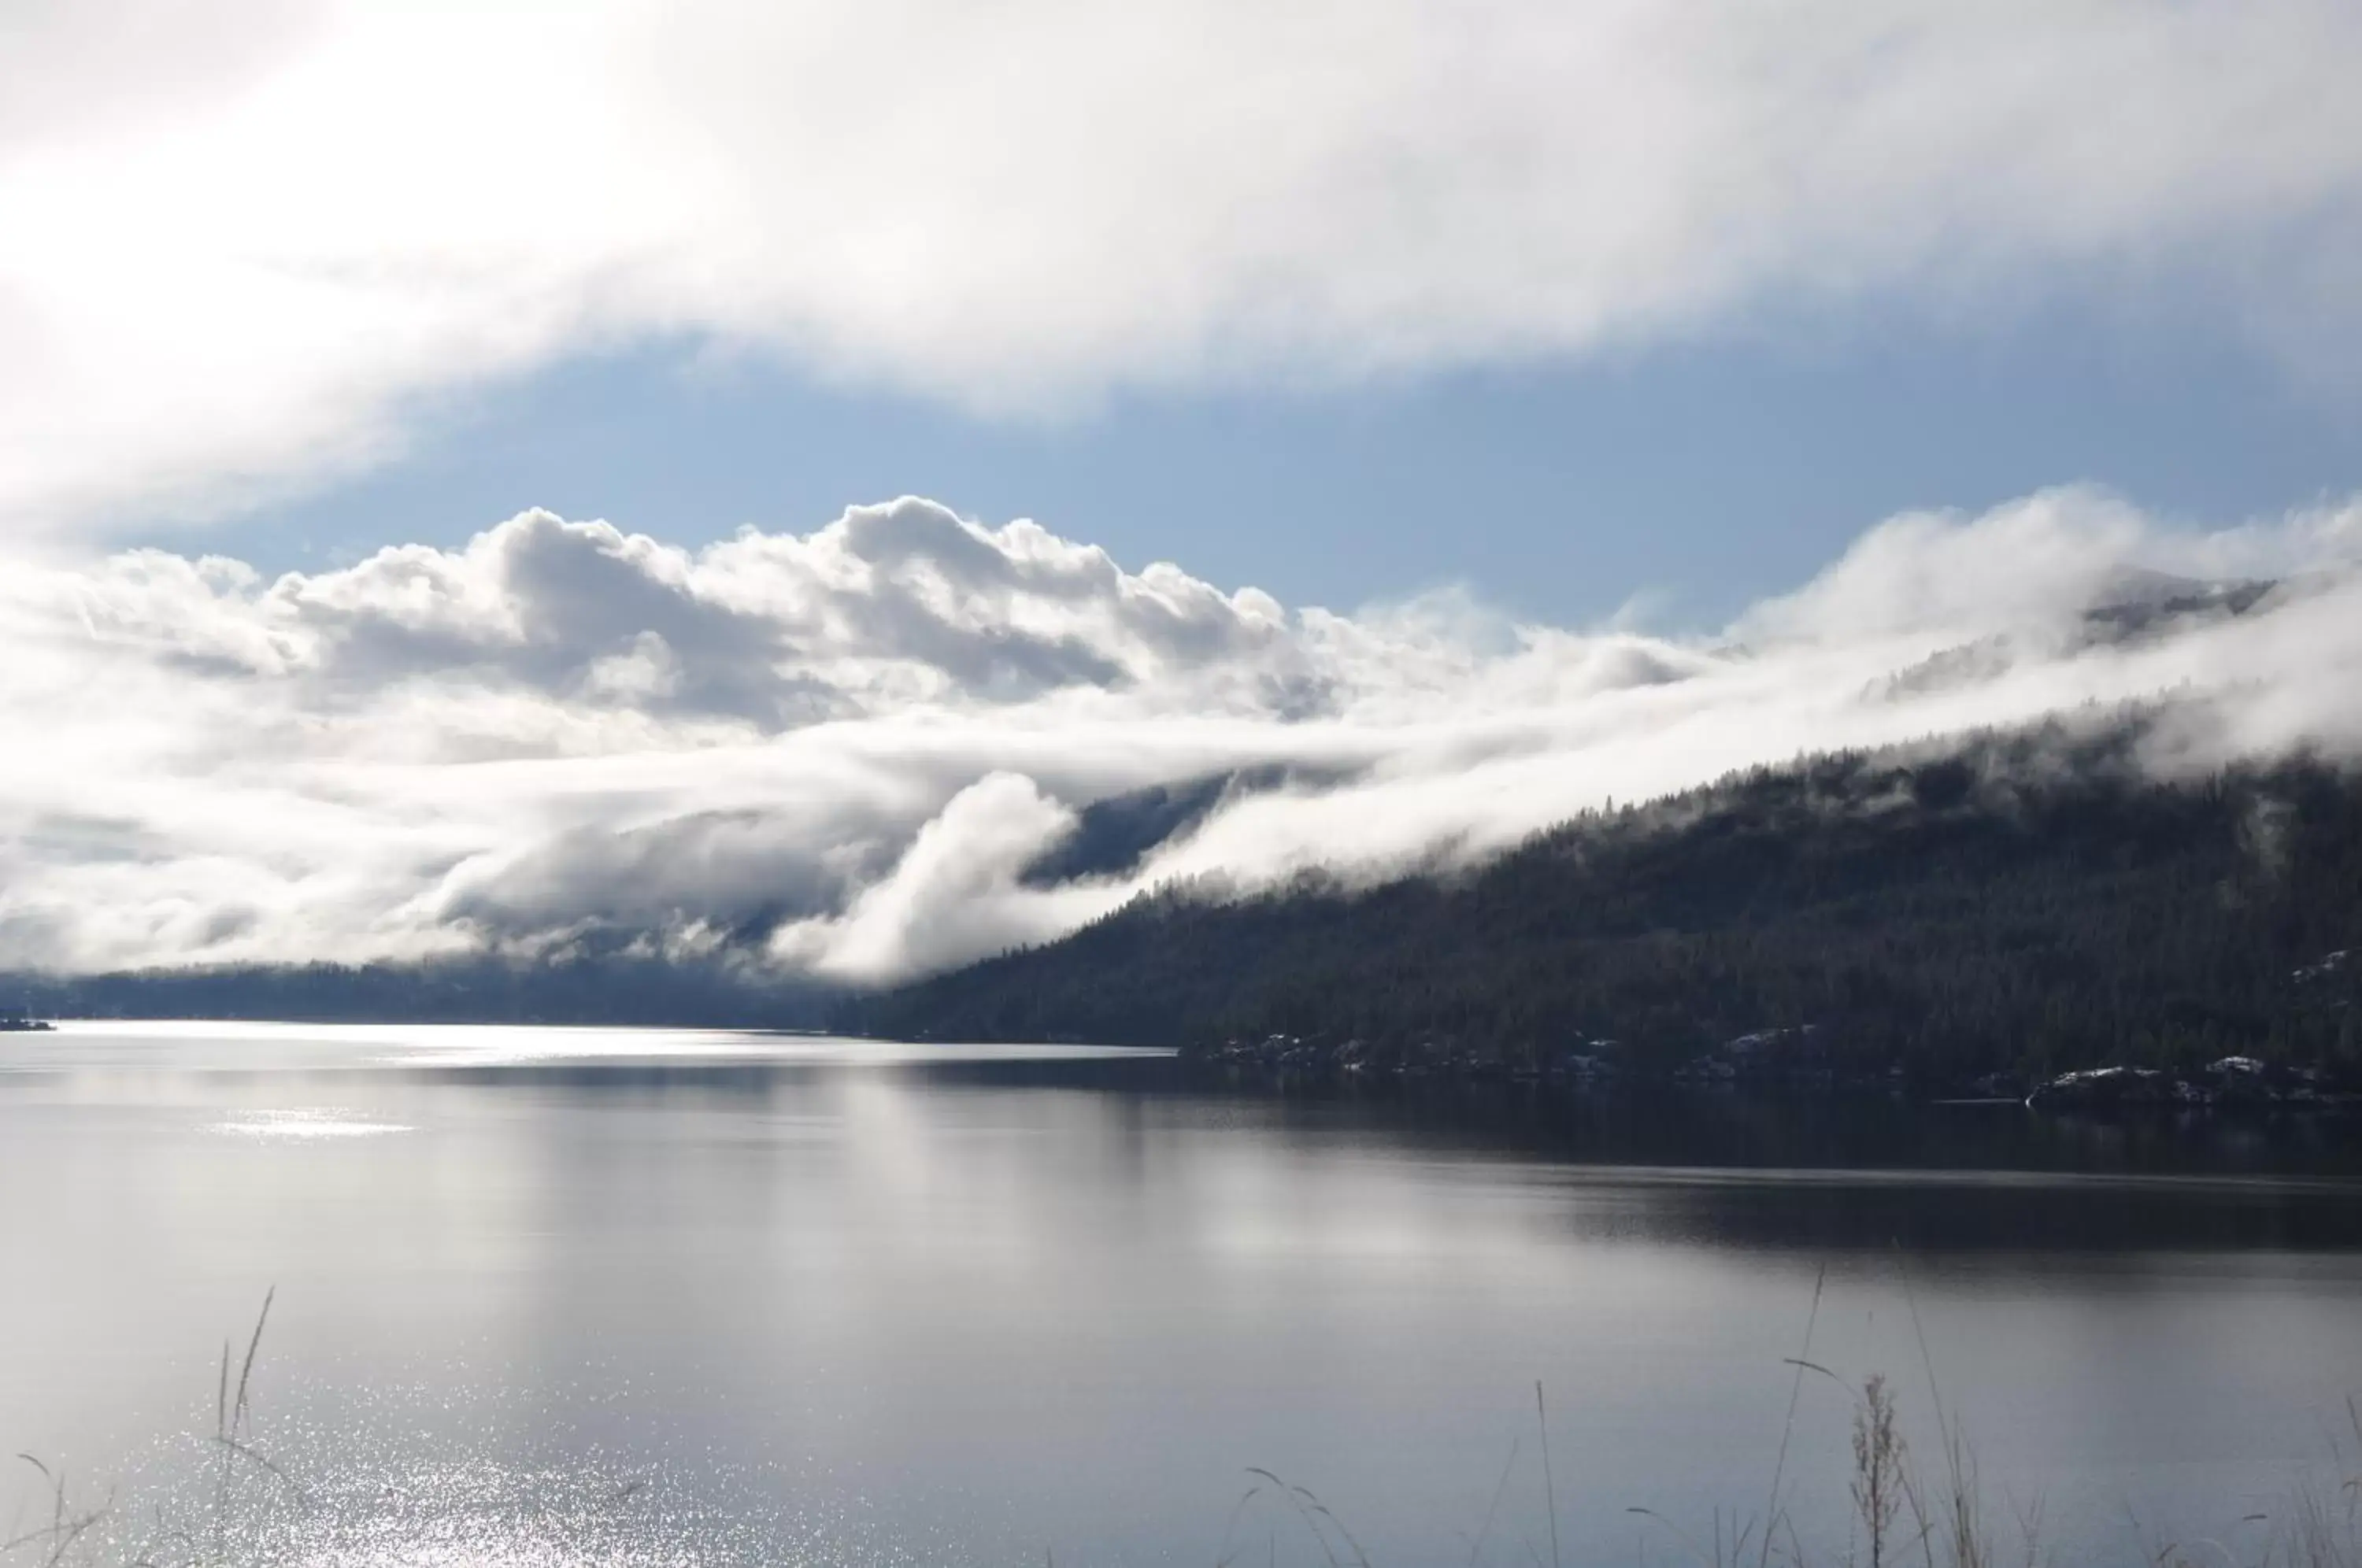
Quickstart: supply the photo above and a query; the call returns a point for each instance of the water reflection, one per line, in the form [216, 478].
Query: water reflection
[964, 1308]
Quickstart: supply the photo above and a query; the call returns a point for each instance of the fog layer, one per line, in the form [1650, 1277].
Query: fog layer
[837, 753]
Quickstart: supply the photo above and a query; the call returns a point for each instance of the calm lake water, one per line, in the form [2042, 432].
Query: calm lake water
[549, 1295]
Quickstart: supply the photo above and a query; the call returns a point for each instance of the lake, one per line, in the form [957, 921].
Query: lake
[558, 1296]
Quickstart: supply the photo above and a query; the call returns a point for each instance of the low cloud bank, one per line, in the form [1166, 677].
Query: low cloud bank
[838, 753]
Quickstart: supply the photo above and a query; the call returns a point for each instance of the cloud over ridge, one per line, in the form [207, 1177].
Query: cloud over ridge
[837, 753]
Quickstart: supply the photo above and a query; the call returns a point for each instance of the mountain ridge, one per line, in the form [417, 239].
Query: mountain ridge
[2025, 901]
[2018, 902]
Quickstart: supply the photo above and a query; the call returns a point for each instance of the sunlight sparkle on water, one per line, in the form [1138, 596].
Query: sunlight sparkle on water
[306, 1123]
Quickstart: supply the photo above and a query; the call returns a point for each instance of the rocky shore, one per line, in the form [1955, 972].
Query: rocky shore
[1789, 1059]
[2231, 1082]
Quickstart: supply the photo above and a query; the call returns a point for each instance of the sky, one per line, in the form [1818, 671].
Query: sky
[492, 477]
[1682, 484]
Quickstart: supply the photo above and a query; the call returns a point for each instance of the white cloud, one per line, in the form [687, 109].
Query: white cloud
[242, 240]
[956, 894]
[840, 752]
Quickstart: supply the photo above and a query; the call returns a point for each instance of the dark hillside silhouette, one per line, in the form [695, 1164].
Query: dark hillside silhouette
[2024, 902]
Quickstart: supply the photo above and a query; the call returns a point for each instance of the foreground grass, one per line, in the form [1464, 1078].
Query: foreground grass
[1907, 1511]
[1909, 1508]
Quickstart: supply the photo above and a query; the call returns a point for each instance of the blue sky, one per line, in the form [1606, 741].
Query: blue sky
[1565, 304]
[1702, 475]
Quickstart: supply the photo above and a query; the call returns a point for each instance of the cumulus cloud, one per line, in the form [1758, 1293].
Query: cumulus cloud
[244, 240]
[843, 753]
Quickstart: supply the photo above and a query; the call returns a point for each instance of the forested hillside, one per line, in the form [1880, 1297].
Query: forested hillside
[583, 988]
[2030, 902]
[2026, 902]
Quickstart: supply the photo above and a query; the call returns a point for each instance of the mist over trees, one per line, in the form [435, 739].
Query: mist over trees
[2024, 902]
